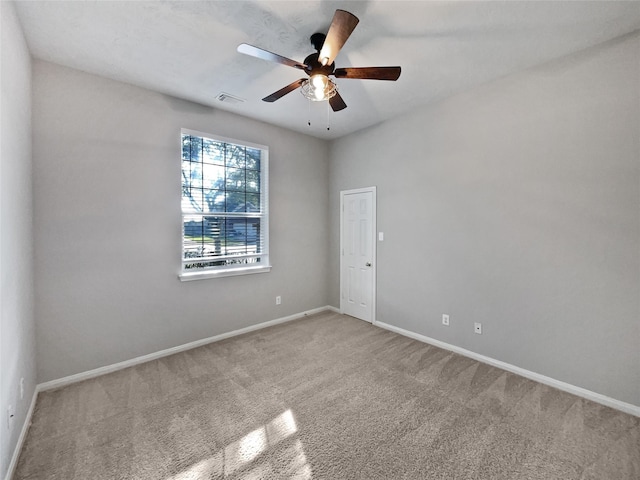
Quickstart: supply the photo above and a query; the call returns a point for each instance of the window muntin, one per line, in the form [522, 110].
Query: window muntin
[224, 206]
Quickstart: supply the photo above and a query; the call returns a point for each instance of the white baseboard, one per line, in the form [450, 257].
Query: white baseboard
[552, 382]
[581, 392]
[23, 435]
[78, 377]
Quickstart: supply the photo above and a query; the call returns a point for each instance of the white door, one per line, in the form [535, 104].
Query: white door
[357, 248]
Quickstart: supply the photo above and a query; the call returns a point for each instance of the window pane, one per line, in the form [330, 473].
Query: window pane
[196, 148]
[253, 236]
[212, 176]
[253, 181]
[235, 156]
[212, 228]
[235, 236]
[212, 151]
[195, 174]
[235, 179]
[191, 200]
[186, 173]
[186, 147]
[214, 201]
[236, 202]
[253, 202]
[192, 237]
[253, 158]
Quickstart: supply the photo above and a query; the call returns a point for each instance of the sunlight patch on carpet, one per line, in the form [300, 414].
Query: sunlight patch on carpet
[241, 453]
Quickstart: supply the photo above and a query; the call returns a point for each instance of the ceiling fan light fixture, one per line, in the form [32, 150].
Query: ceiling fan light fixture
[318, 88]
[318, 66]
[319, 84]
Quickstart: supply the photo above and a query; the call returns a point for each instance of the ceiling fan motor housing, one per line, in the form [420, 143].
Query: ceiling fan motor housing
[315, 67]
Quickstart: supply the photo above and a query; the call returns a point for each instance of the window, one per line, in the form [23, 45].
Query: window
[225, 223]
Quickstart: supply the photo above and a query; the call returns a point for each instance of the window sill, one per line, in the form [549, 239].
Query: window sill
[232, 272]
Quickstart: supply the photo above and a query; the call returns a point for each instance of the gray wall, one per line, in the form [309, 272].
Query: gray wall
[108, 225]
[17, 337]
[515, 205]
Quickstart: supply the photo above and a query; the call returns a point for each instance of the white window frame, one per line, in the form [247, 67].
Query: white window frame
[231, 270]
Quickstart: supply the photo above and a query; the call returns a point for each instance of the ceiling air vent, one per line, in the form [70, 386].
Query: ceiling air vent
[230, 99]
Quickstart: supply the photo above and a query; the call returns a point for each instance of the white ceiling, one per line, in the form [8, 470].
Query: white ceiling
[188, 48]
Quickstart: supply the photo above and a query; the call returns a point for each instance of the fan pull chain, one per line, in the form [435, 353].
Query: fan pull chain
[328, 125]
[309, 114]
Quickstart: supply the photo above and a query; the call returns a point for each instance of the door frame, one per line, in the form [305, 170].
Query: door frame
[374, 244]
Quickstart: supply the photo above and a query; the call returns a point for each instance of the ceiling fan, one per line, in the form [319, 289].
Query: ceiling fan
[318, 66]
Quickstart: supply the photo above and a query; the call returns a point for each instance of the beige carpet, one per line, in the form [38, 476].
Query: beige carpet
[325, 397]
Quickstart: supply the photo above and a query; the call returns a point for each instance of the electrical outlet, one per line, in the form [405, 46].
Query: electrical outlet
[477, 328]
[445, 319]
[21, 388]
[278, 300]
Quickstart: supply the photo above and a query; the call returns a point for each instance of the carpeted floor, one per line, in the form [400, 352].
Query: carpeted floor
[325, 397]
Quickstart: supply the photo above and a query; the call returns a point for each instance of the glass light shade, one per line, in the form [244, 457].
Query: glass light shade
[318, 88]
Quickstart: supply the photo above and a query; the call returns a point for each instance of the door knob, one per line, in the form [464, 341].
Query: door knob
[368, 264]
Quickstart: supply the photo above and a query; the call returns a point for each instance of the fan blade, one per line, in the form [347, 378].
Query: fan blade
[265, 55]
[369, 73]
[283, 91]
[341, 27]
[337, 103]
